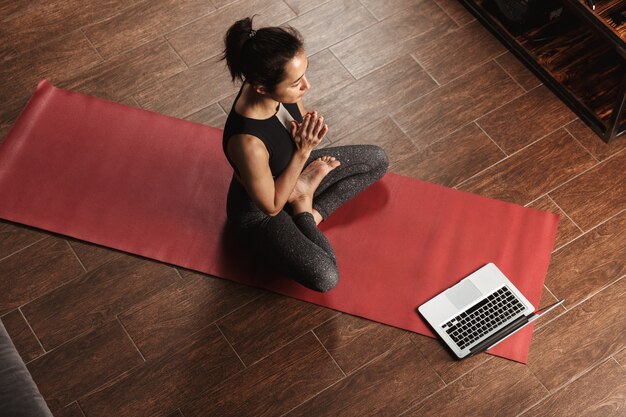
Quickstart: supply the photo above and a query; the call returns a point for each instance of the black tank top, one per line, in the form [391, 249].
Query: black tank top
[271, 132]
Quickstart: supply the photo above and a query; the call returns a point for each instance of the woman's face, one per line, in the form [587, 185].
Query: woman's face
[295, 84]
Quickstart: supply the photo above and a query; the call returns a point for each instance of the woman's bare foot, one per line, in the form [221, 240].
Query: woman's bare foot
[317, 217]
[301, 197]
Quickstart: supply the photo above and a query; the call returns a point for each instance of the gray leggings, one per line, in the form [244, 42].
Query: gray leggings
[294, 244]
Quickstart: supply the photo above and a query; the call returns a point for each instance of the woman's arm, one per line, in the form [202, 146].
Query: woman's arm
[251, 158]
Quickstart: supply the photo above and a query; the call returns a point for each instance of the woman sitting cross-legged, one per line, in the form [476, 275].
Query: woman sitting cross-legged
[282, 187]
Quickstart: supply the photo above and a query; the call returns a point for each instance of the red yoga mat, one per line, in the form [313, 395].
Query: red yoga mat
[156, 186]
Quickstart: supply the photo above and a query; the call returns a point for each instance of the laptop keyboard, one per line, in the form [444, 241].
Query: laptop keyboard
[483, 317]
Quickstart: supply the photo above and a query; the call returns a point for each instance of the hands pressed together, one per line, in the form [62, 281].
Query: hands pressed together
[308, 134]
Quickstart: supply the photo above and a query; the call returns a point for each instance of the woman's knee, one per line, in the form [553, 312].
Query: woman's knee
[379, 161]
[324, 279]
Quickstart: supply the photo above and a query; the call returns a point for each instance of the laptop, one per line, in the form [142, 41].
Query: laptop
[479, 312]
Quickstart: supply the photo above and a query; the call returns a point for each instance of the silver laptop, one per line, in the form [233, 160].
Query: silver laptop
[479, 312]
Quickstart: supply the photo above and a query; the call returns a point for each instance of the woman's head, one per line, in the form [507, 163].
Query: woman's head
[272, 59]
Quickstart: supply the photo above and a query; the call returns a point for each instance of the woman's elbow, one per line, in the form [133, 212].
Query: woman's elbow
[269, 208]
[270, 211]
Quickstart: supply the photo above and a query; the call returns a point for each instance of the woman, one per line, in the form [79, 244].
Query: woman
[282, 188]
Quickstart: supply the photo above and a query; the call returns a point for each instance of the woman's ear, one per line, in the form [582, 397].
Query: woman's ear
[260, 89]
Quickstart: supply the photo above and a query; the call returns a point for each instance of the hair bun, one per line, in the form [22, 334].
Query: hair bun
[264, 59]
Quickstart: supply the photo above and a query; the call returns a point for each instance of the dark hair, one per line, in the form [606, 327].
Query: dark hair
[260, 56]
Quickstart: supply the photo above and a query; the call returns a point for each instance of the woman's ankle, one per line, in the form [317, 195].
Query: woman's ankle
[317, 216]
[302, 204]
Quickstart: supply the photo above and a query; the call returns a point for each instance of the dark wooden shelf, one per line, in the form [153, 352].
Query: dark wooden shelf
[601, 19]
[585, 64]
[581, 57]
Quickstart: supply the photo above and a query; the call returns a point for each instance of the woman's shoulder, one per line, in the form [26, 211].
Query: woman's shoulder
[246, 140]
[238, 125]
[245, 146]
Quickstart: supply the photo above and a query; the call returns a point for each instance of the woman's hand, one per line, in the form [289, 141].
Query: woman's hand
[308, 134]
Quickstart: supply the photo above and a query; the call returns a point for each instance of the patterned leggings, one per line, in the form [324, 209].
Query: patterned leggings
[294, 244]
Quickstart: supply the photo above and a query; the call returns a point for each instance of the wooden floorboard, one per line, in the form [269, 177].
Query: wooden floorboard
[122, 75]
[160, 323]
[397, 83]
[272, 386]
[442, 362]
[142, 22]
[269, 322]
[36, 270]
[72, 410]
[455, 10]
[539, 108]
[449, 55]
[47, 20]
[453, 159]
[518, 71]
[589, 140]
[212, 115]
[460, 102]
[384, 9]
[600, 392]
[385, 133]
[353, 341]
[327, 24]
[395, 37]
[160, 385]
[602, 189]
[580, 339]
[94, 298]
[84, 364]
[533, 171]
[328, 74]
[589, 263]
[92, 256]
[203, 38]
[24, 339]
[188, 91]
[14, 238]
[63, 57]
[496, 388]
[567, 229]
[105, 333]
[389, 384]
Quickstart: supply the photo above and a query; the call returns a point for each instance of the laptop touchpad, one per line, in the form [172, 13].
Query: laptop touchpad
[463, 293]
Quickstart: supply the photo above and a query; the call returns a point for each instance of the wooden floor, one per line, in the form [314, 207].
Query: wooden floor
[105, 333]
